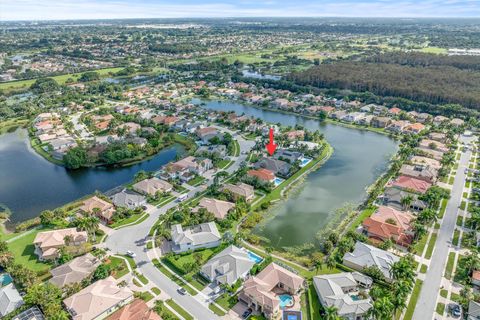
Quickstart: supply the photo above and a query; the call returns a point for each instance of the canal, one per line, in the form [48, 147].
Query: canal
[359, 158]
[30, 184]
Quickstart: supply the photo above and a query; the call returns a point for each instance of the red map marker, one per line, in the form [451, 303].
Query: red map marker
[271, 147]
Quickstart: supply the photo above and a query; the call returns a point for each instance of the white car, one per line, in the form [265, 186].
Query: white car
[131, 254]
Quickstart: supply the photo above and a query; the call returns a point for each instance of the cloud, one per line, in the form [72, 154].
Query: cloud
[112, 9]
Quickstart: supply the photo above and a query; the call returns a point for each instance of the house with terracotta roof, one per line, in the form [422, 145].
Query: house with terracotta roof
[420, 172]
[261, 292]
[476, 280]
[415, 128]
[47, 243]
[98, 300]
[218, 208]
[262, 174]
[207, 133]
[152, 186]
[137, 310]
[398, 126]
[103, 209]
[394, 110]
[295, 135]
[240, 190]
[410, 184]
[74, 271]
[389, 223]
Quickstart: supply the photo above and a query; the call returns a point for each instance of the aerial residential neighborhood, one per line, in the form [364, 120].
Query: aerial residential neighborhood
[239, 160]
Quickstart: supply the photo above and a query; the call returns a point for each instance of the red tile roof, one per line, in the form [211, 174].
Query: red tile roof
[262, 174]
[409, 183]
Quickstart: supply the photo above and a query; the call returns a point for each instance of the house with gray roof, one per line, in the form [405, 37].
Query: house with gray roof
[128, 199]
[473, 310]
[220, 150]
[392, 197]
[365, 255]
[74, 271]
[278, 167]
[30, 314]
[342, 291]
[10, 299]
[228, 266]
[203, 235]
[288, 156]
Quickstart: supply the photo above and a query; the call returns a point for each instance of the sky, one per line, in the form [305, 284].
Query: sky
[114, 9]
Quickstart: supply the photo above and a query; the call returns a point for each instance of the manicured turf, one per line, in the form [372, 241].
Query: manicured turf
[196, 181]
[449, 266]
[423, 268]
[413, 300]
[119, 267]
[23, 251]
[456, 236]
[444, 293]
[226, 301]
[173, 277]
[420, 245]
[156, 290]
[133, 219]
[440, 308]
[179, 309]
[216, 310]
[431, 245]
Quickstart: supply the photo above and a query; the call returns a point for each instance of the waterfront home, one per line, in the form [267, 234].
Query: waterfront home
[46, 116]
[353, 117]
[262, 292]
[203, 235]
[103, 209]
[288, 156]
[393, 197]
[342, 291]
[433, 145]
[63, 143]
[365, 121]
[240, 190]
[32, 313]
[457, 122]
[205, 134]
[74, 271]
[10, 299]
[228, 266]
[295, 135]
[424, 161]
[438, 120]
[151, 186]
[128, 199]
[190, 163]
[129, 127]
[420, 172]
[278, 167]
[397, 126]
[47, 243]
[338, 114]
[219, 208]
[218, 150]
[410, 184]
[263, 175]
[388, 223]
[98, 300]
[380, 122]
[137, 310]
[414, 128]
[365, 255]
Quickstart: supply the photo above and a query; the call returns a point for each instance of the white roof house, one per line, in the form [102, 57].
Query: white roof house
[365, 255]
[10, 299]
[203, 235]
[228, 266]
[341, 291]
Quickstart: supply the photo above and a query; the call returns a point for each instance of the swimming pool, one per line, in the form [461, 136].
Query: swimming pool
[277, 181]
[5, 279]
[304, 161]
[286, 300]
[255, 258]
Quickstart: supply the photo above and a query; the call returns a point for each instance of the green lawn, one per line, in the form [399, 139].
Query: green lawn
[463, 204]
[313, 303]
[119, 267]
[413, 300]
[420, 245]
[142, 278]
[435, 50]
[179, 309]
[226, 301]
[173, 277]
[459, 220]
[362, 216]
[440, 308]
[23, 251]
[449, 266]
[431, 245]
[196, 181]
[156, 290]
[444, 293]
[131, 262]
[224, 164]
[451, 180]
[456, 236]
[216, 310]
[423, 268]
[443, 207]
[133, 219]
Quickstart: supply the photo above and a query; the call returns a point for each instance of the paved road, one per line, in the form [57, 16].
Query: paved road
[426, 304]
[133, 238]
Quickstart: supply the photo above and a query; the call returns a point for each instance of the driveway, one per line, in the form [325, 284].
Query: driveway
[426, 304]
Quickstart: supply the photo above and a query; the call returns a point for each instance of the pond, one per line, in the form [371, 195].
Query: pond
[30, 184]
[359, 158]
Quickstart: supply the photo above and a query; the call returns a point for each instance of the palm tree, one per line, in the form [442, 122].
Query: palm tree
[382, 309]
[331, 313]
[406, 201]
[403, 269]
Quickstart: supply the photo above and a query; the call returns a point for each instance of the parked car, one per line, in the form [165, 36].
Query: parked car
[131, 254]
[455, 310]
[247, 313]
[182, 291]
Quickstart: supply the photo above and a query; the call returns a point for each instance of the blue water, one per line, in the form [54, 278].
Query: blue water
[285, 300]
[5, 279]
[277, 181]
[252, 256]
[355, 298]
[304, 162]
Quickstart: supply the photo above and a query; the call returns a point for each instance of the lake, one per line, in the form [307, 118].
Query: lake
[30, 184]
[359, 158]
